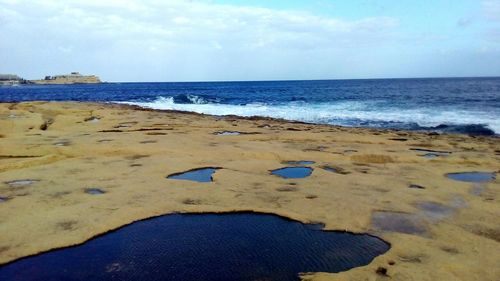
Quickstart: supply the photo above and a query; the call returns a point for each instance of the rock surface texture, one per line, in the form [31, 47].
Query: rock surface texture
[57, 151]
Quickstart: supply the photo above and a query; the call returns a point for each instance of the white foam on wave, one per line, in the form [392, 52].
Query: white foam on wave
[196, 99]
[338, 113]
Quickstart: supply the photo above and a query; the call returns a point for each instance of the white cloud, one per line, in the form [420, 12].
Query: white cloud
[197, 40]
[185, 22]
[491, 9]
[135, 33]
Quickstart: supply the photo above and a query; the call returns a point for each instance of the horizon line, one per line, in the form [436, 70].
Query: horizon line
[297, 80]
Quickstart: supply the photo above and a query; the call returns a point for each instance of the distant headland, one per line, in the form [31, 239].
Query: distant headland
[72, 78]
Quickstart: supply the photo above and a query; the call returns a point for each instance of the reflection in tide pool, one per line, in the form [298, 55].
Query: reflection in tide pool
[233, 246]
[293, 172]
[198, 175]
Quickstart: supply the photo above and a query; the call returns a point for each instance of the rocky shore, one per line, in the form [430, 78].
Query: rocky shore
[395, 185]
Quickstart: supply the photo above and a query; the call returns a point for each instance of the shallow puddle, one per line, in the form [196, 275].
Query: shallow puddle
[430, 150]
[198, 175]
[209, 247]
[94, 191]
[300, 163]
[293, 172]
[227, 133]
[472, 176]
[20, 183]
[431, 155]
[477, 189]
[63, 143]
[235, 133]
[428, 153]
[398, 222]
[435, 211]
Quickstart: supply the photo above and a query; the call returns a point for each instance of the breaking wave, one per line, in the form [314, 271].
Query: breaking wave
[345, 113]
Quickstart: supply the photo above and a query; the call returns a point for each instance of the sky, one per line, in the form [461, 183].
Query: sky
[224, 40]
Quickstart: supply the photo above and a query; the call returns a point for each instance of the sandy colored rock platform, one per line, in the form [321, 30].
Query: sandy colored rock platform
[448, 231]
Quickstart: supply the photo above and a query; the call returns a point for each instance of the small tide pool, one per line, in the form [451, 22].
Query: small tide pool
[198, 175]
[94, 191]
[293, 172]
[477, 177]
[21, 183]
[428, 153]
[227, 133]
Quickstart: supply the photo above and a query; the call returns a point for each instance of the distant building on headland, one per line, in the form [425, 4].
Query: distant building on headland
[11, 80]
[72, 78]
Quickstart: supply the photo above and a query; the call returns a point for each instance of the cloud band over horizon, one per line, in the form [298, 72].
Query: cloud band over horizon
[178, 40]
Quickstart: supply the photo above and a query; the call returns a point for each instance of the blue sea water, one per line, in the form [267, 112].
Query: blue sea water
[456, 105]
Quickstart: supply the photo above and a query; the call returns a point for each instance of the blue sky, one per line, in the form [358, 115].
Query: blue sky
[206, 40]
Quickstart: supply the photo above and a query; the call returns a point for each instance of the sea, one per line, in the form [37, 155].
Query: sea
[447, 105]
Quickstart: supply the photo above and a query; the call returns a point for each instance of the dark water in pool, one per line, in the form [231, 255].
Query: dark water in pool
[466, 105]
[472, 176]
[293, 172]
[94, 191]
[431, 153]
[199, 175]
[205, 247]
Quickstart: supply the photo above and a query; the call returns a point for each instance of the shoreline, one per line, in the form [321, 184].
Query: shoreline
[89, 144]
[283, 120]
[479, 129]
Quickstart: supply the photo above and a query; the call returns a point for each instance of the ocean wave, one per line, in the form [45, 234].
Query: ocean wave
[345, 113]
[186, 99]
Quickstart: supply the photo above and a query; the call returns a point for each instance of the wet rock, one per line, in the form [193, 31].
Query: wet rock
[435, 211]
[398, 222]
